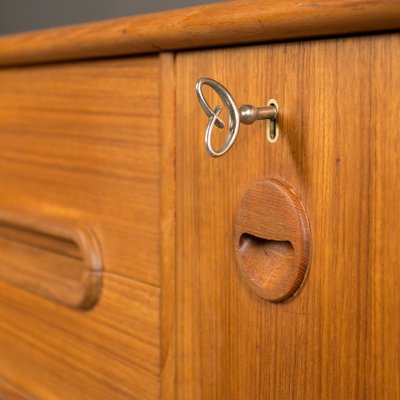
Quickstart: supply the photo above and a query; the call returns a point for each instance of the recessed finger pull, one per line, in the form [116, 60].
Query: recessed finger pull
[246, 114]
[272, 240]
[54, 260]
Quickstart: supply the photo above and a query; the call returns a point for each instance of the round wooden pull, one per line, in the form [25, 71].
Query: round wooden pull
[272, 240]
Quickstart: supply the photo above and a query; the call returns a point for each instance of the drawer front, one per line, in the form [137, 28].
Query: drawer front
[339, 149]
[79, 143]
[81, 140]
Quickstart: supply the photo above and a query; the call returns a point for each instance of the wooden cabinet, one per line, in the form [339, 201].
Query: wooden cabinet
[98, 136]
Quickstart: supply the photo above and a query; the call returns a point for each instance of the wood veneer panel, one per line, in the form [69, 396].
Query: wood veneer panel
[226, 23]
[80, 141]
[339, 149]
[110, 352]
[384, 224]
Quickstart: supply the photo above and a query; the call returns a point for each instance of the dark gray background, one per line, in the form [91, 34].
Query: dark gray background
[27, 15]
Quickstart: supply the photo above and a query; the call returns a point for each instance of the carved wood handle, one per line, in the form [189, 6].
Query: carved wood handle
[59, 261]
[272, 240]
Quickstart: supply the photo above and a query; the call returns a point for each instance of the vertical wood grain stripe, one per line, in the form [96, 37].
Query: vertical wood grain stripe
[167, 173]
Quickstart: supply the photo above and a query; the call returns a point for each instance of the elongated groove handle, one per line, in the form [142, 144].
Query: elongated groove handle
[56, 260]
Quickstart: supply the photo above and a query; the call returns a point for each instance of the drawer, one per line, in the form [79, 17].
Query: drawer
[80, 147]
[80, 141]
[338, 150]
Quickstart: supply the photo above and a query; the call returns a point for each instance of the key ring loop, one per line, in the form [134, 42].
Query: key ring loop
[213, 116]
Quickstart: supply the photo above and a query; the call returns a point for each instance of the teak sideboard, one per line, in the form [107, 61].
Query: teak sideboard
[135, 266]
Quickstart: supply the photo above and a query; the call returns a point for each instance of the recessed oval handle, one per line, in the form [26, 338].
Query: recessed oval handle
[56, 260]
[272, 240]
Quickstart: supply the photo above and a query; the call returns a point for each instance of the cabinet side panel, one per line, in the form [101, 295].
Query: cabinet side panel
[339, 338]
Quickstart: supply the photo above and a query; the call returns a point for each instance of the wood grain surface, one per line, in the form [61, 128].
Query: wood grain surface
[10, 392]
[168, 226]
[243, 21]
[110, 352]
[339, 150]
[80, 142]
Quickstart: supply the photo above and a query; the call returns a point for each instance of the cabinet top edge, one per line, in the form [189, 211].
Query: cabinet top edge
[218, 24]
